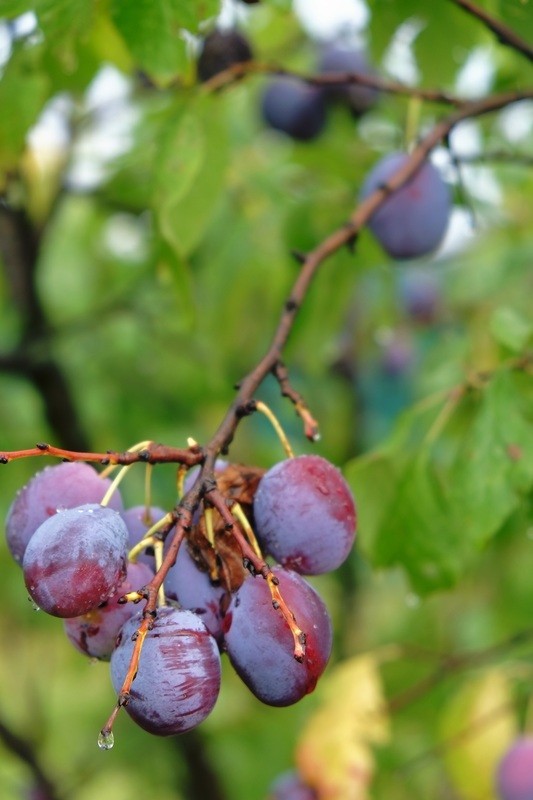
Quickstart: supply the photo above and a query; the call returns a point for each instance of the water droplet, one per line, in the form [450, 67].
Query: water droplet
[33, 604]
[106, 740]
[412, 600]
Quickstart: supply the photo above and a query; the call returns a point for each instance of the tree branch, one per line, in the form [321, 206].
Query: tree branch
[503, 33]
[19, 249]
[237, 71]
[23, 750]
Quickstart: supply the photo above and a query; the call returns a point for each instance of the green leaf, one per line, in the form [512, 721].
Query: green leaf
[192, 163]
[510, 329]
[447, 481]
[438, 24]
[23, 91]
[13, 8]
[152, 29]
[494, 466]
[65, 25]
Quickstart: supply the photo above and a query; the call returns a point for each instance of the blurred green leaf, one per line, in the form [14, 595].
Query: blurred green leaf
[511, 329]
[152, 30]
[191, 169]
[433, 501]
[24, 91]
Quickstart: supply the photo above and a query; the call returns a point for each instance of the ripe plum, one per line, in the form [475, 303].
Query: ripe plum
[191, 587]
[514, 778]
[54, 488]
[138, 524]
[221, 50]
[340, 58]
[289, 786]
[305, 515]
[412, 220]
[94, 634]
[178, 680]
[295, 108]
[76, 560]
[260, 644]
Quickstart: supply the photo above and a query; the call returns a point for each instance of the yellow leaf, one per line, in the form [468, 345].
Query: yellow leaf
[334, 753]
[478, 725]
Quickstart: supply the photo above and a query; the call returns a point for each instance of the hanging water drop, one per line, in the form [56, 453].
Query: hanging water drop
[106, 740]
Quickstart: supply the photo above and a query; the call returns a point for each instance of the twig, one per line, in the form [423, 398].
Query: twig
[504, 34]
[151, 454]
[26, 752]
[450, 665]
[385, 85]
[496, 156]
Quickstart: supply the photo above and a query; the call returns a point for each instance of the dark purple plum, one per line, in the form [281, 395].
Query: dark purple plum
[289, 786]
[76, 560]
[178, 679]
[191, 587]
[260, 643]
[412, 220]
[94, 634]
[192, 474]
[221, 50]
[138, 520]
[295, 108]
[421, 295]
[305, 515]
[514, 776]
[340, 58]
[61, 486]
[398, 357]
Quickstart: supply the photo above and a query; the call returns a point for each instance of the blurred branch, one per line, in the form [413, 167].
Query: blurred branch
[496, 156]
[342, 237]
[201, 781]
[451, 665]
[503, 33]
[24, 750]
[19, 249]
[237, 71]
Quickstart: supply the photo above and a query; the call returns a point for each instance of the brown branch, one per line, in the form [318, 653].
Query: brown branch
[19, 249]
[342, 237]
[311, 427]
[451, 665]
[503, 33]
[26, 752]
[497, 157]
[385, 85]
[151, 454]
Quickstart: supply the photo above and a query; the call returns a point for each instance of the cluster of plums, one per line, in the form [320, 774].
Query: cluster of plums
[294, 107]
[74, 556]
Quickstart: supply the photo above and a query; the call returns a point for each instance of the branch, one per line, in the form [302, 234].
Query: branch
[497, 157]
[342, 237]
[239, 70]
[24, 750]
[19, 250]
[503, 33]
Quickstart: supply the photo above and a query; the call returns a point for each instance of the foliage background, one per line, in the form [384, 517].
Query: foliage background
[163, 218]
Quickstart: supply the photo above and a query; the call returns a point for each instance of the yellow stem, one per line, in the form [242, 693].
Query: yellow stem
[237, 512]
[264, 409]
